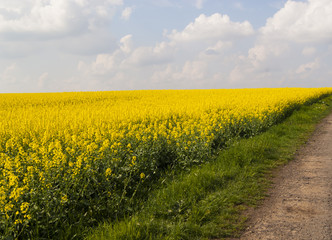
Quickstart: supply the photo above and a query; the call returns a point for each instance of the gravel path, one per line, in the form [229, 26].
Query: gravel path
[299, 205]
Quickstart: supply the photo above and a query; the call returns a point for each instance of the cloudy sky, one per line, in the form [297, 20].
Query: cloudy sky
[92, 45]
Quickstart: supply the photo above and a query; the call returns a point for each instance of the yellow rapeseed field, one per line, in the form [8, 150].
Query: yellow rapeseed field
[78, 158]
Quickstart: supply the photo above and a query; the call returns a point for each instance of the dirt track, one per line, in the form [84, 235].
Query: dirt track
[299, 205]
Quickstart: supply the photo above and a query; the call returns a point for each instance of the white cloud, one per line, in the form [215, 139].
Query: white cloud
[191, 57]
[193, 70]
[218, 48]
[207, 50]
[301, 22]
[47, 27]
[103, 63]
[126, 43]
[161, 53]
[209, 34]
[192, 74]
[308, 67]
[126, 13]
[212, 51]
[264, 51]
[297, 30]
[52, 18]
[212, 28]
[108, 63]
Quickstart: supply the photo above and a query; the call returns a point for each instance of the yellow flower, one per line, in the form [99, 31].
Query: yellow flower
[133, 161]
[64, 199]
[50, 136]
[24, 207]
[108, 172]
[17, 221]
[8, 207]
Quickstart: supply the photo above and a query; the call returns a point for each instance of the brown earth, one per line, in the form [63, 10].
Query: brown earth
[299, 203]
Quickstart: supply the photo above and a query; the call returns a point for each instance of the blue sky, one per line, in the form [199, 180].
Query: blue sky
[97, 45]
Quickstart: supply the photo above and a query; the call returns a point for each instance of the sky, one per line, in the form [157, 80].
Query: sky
[101, 45]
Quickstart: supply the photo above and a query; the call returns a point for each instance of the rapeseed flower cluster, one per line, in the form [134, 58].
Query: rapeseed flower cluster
[77, 158]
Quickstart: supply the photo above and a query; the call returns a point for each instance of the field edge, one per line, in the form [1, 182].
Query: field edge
[209, 202]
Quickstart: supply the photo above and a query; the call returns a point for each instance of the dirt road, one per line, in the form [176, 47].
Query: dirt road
[299, 205]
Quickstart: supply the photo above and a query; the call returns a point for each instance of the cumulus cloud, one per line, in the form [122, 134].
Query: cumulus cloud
[301, 22]
[289, 48]
[211, 34]
[264, 51]
[75, 27]
[212, 51]
[193, 70]
[161, 53]
[193, 55]
[52, 18]
[106, 63]
[208, 34]
[103, 63]
[212, 28]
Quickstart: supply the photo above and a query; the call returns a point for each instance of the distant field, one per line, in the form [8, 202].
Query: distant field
[71, 160]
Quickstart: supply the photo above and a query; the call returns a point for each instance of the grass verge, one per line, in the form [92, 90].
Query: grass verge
[206, 202]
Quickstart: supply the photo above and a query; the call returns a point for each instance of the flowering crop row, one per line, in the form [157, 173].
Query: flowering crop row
[73, 159]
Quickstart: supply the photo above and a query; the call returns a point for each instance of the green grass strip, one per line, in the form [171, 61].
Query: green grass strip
[207, 201]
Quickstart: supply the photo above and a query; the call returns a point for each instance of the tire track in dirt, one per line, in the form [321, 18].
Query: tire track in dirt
[299, 205]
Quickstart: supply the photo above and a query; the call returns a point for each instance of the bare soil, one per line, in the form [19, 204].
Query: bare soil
[299, 203]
